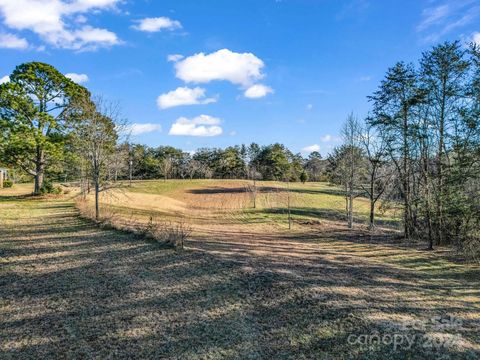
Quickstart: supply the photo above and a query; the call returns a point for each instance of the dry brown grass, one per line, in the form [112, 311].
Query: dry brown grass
[69, 289]
[211, 207]
[165, 232]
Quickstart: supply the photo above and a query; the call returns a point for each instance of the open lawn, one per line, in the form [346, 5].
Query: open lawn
[244, 288]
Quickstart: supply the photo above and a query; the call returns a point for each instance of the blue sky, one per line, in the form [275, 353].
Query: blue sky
[244, 71]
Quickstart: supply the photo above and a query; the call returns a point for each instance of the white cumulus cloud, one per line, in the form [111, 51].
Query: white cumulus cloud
[94, 37]
[184, 96]
[11, 41]
[311, 148]
[203, 125]
[4, 79]
[257, 91]
[157, 24]
[54, 21]
[238, 68]
[137, 129]
[78, 78]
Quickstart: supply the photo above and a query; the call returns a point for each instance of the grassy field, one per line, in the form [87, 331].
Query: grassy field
[209, 202]
[240, 289]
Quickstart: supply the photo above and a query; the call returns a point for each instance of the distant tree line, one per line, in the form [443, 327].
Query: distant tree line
[271, 162]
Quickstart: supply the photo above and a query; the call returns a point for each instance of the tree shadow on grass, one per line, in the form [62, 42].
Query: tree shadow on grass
[266, 189]
[74, 290]
[16, 198]
[322, 213]
[232, 190]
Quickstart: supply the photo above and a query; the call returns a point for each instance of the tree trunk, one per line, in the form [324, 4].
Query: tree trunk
[346, 201]
[441, 133]
[96, 181]
[350, 210]
[427, 196]
[254, 194]
[130, 170]
[288, 204]
[406, 183]
[39, 171]
[97, 191]
[38, 183]
[349, 206]
[429, 223]
[371, 225]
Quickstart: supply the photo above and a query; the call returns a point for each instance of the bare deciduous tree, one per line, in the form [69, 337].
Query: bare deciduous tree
[378, 173]
[95, 138]
[350, 135]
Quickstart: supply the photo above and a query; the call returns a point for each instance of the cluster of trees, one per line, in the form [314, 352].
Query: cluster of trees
[32, 118]
[49, 124]
[421, 147]
[272, 162]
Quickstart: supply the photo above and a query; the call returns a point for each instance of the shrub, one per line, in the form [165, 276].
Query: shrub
[49, 188]
[167, 232]
[7, 183]
[303, 177]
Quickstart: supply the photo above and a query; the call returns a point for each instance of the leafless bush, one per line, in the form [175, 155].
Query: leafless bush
[109, 215]
[173, 233]
[170, 233]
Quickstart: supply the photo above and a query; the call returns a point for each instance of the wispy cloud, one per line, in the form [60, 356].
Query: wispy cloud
[157, 24]
[330, 138]
[363, 78]
[12, 41]
[433, 15]
[138, 129]
[328, 142]
[440, 20]
[174, 57]
[311, 148]
[257, 91]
